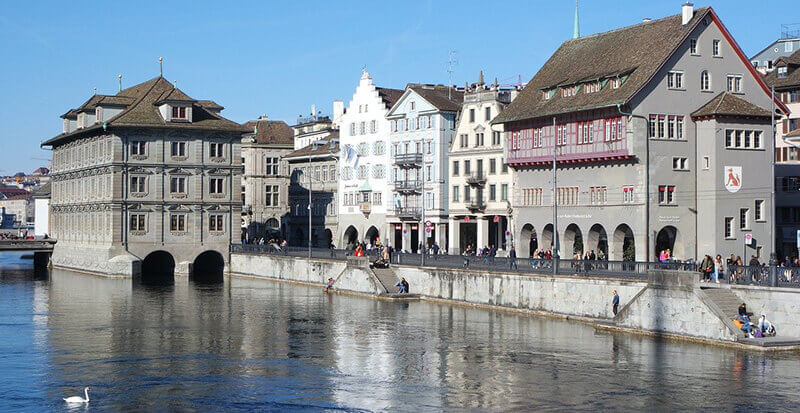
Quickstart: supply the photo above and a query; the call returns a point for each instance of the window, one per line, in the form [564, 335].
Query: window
[455, 193]
[597, 195]
[735, 83]
[744, 218]
[492, 166]
[504, 168]
[428, 173]
[472, 115]
[455, 168]
[216, 186]
[680, 164]
[729, 234]
[352, 129]
[693, 46]
[466, 193]
[675, 80]
[177, 222]
[666, 195]
[373, 126]
[788, 47]
[569, 91]
[627, 195]
[138, 184]
[492, 192]
[782, 71]
[532, 196]
[488, 113]
[614, 129]
[479, 139]
[742, 139]
[665, 127]
[495, 138]
[759, 210]
[706, 162]
[362, 128]
[379, 148]
[467, 169]
[705, 81]
[138, 223]
[715, 48]
[215, 150]
[178, 149]
[179, 112]
[377, 198]
[567, 196]
[413, 105]
[464, 140]
[271, 166]
[177, 185]
[271, 196]
[138, 148]
[215, 223]
[504, 192]
[615, 83]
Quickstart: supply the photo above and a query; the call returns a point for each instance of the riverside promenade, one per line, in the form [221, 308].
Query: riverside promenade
[667, 302]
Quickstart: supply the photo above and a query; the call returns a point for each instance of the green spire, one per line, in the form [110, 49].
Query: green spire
[576, 33]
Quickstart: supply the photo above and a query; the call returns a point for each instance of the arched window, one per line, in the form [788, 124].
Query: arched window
[705, 80]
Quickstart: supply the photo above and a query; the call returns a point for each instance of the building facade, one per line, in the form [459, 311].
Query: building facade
[658, 148]
[365, 163]
[147, 181]
[265, 183]
[480, 180]
[316, 126]
[789, 43]
[314, 171]
[41, 215]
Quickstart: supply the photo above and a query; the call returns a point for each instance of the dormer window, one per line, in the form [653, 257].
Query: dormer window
[615, 83]
[180, 113]
[81, 120]
[98, 114]
[66, 125]
[782, 71]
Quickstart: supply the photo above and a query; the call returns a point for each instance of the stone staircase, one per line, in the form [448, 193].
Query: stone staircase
[387, 278]
[725, 299]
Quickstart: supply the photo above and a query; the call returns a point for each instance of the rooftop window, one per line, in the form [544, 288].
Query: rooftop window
[782, 71]
[180, 113]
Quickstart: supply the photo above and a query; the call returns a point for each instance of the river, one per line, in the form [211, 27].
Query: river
[258, 345]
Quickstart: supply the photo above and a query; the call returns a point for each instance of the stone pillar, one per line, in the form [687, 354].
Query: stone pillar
[483, 232]
[407, 237]
[441, 237]
[455, 237]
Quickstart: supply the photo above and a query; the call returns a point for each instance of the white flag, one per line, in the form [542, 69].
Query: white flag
[350, 156]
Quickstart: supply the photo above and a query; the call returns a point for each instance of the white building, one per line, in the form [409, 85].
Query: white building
[365, 162]
[422, 126]
[41, 215]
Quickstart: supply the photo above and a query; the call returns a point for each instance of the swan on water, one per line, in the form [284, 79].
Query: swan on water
[79, 399]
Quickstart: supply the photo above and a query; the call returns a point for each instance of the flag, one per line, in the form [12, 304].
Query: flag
[350, 156]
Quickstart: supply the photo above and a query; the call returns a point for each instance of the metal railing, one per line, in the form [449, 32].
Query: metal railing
[476, 178]
[408, 213]
[476, 205]
[408, 159]
[408, 186]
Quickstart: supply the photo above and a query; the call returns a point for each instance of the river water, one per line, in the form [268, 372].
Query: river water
[259, 345]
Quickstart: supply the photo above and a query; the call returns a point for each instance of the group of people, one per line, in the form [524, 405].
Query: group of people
[713, 269]
[763, 328]
[486, 254]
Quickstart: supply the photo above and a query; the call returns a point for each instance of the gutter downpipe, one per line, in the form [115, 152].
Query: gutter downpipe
[647, 181]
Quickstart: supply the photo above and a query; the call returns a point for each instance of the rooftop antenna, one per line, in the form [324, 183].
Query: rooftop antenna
[576, 32]
[161, 66]
[451, 62]
[120, 82]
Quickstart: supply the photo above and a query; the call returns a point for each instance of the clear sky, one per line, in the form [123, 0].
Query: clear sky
[279, 57]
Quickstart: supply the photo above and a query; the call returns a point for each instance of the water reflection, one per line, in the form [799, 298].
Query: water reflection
[252, 344]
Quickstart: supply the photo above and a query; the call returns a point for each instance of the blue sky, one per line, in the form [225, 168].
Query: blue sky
[278, 58]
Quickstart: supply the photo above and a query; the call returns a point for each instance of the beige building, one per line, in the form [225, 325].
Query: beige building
[265, 184]
[480, 180]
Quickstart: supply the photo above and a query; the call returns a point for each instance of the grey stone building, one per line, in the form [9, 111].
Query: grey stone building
[789, 43]
[314, 168]
[147, 179]
[661, 133]
[265, 183]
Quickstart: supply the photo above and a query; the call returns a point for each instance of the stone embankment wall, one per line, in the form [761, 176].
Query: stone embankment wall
[781, 305]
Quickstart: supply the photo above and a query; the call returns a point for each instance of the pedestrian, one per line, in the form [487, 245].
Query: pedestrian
[435, 249]
[512, 259]
[402, 286]
[719, 268]
[615, 303]
[466, 256]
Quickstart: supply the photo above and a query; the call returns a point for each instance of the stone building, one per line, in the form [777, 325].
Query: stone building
[365, 163]
[314, 168]
[661, 132]
[764, 61]
[316, 126]
[265, 184]
[147, 179]
[422, 125]
[480, 180]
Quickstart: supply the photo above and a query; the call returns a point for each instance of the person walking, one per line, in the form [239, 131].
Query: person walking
[466, 256]
[512, 259]
[615, 303]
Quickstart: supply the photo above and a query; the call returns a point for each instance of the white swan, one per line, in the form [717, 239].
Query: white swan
[79, 399]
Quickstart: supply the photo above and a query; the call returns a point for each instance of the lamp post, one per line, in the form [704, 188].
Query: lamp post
[422, 231]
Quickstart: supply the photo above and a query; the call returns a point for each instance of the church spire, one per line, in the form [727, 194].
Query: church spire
[576, 32]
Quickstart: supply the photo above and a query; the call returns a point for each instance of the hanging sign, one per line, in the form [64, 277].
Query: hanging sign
[733, 178]
[496, 218]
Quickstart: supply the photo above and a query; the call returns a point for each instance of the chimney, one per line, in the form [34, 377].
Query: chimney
[338, 111]
[687, 10]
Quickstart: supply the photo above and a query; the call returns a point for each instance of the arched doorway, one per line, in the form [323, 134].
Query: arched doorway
[669, 238]
[528, 241]
[573, 240]
[547, 239]
[273, 223]
[208, 267]
[350, 237]
[158, 268]
[328, 238]
[623, 247]
[372, 235]
[598, 241]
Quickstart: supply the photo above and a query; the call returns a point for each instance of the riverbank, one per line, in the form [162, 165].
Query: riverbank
[669, 304]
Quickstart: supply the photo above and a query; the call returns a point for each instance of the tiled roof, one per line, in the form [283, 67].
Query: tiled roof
[389, 96]
[728, 104]
[270, 131]
[18, 197]
[442, 97]
[636, 51]
[11, 191]
[792, 78]
[43, 191]
[210, 104]
[329, 148]
[142, 111]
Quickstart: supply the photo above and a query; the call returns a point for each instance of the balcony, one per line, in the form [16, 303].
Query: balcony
[408, 213]
[365, 207]
[477, 178]
[476, 205]
[408, 187]
[408, 160]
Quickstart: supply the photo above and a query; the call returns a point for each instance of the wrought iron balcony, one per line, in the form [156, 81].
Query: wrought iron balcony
[408, 213]
[408, 160]
[476, 205]
[408, 187]
[477, 178]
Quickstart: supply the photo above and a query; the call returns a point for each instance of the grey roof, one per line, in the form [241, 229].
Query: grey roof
[329, 148]
[634, 53]
[270, 131]
[442, 97]
[142, 111]
[389, 96]
[728, 104]
[43, 191]
[792, 78]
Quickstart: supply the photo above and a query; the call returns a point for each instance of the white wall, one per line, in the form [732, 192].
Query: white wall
[41, 216]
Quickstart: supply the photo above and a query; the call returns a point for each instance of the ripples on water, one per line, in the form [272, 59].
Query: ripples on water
[258, 345]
